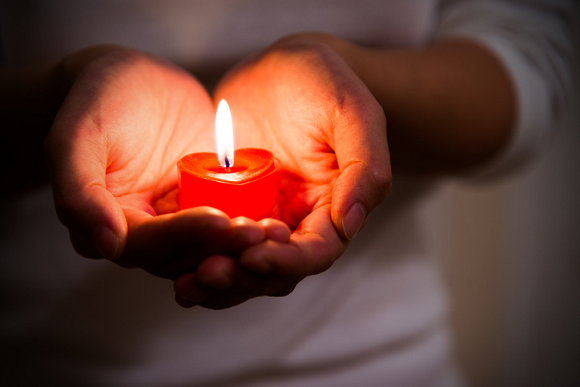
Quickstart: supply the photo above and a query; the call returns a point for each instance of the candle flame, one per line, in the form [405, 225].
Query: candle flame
[224, 134]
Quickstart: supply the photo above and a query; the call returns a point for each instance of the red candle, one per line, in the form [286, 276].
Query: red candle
[244, 183]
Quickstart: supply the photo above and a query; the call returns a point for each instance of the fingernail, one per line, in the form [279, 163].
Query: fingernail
[106, 242]
[353, 220]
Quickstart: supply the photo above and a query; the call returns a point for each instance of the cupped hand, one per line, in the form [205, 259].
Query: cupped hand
[300, 100]
[112, 154]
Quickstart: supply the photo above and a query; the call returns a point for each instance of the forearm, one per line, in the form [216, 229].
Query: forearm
[449, 106]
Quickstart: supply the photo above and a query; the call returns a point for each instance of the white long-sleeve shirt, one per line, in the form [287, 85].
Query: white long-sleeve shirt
[376, 318]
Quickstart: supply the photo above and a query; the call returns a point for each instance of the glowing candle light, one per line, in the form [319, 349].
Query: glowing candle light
[224, 135]
[240, 183]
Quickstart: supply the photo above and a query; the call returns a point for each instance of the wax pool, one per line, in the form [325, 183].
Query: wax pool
[249, 188]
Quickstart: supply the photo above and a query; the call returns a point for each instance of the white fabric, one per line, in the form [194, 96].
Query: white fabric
[532, 42]
[376, 318]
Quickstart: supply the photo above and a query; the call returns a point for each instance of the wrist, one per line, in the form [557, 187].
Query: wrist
[449, 105]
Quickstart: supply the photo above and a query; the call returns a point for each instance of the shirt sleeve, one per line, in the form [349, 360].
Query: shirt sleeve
[533, 41]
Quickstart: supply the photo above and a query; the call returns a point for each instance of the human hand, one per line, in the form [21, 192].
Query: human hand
[300, 100]
[112, 154]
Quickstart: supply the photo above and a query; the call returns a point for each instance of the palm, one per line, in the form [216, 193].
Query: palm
[304, 104]
[160, 114]
[279, 106]
[113, 150]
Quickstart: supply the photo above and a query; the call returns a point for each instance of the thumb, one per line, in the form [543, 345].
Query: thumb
[77, 162]
[365, 169]
[95, 221]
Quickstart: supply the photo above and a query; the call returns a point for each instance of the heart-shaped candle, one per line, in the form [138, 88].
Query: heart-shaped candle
[244, 183]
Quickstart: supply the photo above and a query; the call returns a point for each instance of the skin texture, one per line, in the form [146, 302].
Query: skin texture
[320, 104]
[129, 117]
[450, 105]
[301, 101]
[112, 154]
[316, 86]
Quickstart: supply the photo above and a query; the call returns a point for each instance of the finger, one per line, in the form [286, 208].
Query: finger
[228, 284]
[312, 248]
[167, 204]
[175, 242]
[242, 233]
[77, 166]
[275, 230]
[224, 273]
[226, 299]
[360, 143]
[184, 303]
[217, 272]
[245, 232]
[172, 244]
[188, 291]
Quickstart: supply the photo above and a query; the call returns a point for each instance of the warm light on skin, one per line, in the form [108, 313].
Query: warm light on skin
[224, 135]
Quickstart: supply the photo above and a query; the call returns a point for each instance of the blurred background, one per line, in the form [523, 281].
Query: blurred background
[511, 252]
[512, 260]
